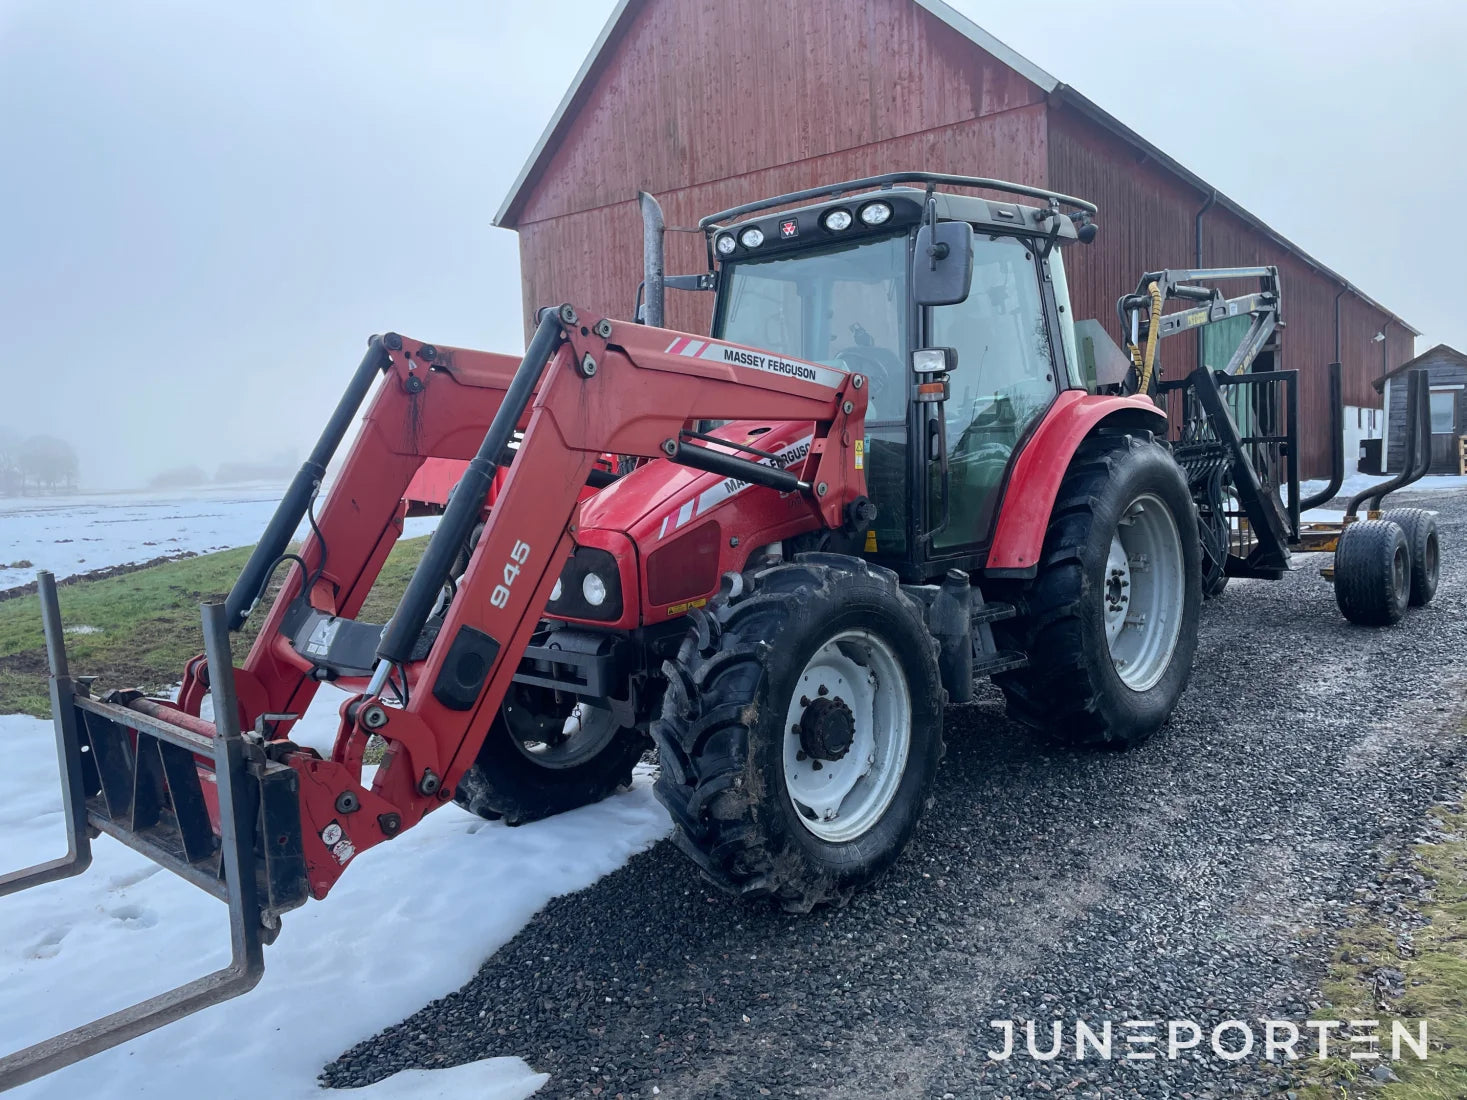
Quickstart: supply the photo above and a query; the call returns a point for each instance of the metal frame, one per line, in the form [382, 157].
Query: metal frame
[889, 180]
[121, 796]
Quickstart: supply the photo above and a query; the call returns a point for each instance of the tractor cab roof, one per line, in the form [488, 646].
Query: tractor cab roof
[877, 204]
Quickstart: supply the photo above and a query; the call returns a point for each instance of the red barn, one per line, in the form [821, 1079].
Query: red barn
[710, 103]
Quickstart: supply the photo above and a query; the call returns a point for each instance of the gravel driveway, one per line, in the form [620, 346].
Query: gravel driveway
[1187, 879]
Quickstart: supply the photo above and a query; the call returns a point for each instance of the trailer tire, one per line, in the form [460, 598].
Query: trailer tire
[736, 724]
[1419, 527]
[508, 781]
[1077, 686]
[1373, 572]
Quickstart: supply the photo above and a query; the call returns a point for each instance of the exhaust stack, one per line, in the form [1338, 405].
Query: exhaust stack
[654, 260]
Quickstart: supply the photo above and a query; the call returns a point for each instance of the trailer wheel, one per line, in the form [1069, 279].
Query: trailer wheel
[1110, 620]
[544, 756]
[1419, 527]
[1373, 572]
[800, 730]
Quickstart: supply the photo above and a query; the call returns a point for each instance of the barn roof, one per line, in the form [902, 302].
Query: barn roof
[1057, 91]
[1442, 353]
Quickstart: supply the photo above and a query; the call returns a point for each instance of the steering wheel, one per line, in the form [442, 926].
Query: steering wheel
[881, 367]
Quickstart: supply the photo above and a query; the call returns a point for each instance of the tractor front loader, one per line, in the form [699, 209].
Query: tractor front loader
[891, 468]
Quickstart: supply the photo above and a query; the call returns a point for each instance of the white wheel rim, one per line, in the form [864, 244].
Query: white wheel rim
[841, 799]
[1143, 592]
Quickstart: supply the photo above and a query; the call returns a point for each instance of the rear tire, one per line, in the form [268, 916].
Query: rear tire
[800, 730]
[528, 768]
[1089, 681]
[1372, 572]
[1419, 527]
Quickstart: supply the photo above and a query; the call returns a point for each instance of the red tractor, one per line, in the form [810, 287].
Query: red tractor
[894, 465]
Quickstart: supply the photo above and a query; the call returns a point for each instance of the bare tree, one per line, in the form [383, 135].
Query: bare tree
[49, 463]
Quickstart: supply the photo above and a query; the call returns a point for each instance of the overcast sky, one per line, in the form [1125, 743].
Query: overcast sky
[206, 207]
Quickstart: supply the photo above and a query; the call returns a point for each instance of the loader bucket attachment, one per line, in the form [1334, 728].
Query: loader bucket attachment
[198, 798]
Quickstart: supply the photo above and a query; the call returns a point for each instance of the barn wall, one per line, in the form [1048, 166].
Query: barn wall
[692, 93]
[706, 119]
[1147, 221]
[594, 257]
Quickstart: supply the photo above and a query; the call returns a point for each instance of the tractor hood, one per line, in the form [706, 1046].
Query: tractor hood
[660, 498]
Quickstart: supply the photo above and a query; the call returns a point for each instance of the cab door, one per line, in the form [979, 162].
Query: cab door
[1007, 374]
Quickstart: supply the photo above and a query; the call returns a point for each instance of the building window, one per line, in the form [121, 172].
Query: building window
[1443, 412]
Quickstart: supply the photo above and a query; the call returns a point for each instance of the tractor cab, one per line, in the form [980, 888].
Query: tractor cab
[954, 306]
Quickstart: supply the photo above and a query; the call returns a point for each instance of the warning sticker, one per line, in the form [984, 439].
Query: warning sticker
[860, 454]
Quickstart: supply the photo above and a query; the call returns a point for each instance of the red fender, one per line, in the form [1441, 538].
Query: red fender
[1018, 537]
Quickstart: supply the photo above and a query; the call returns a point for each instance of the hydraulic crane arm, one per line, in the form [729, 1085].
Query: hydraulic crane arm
[1156, 288]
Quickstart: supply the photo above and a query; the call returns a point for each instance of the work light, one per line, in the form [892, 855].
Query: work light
[725, 244]
[836, 220]
[875, 213]
[752, 237]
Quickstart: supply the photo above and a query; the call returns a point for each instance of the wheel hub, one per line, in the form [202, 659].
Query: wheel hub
[1143, 592]
[847, 734]
[827, 728]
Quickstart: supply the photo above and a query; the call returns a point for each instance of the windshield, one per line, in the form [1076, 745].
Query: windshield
[844, 306]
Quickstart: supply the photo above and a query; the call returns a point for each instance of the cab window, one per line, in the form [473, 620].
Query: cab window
[845, 306]
[1005, 379]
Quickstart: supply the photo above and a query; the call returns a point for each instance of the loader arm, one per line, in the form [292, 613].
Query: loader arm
[231, 804]
[579, 393]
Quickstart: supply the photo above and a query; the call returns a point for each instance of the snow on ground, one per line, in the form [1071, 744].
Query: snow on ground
[1357, 481]
[410, 921]
[76, 534]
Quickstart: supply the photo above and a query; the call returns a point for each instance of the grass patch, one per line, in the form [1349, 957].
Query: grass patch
[139, 629]
[1434, 966]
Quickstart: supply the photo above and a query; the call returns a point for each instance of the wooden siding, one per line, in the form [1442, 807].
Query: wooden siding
[594, 257]
[1442, 370]
[694, 91]
[1147, 221]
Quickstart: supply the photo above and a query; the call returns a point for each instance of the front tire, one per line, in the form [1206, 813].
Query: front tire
[546, 754]
[1110, 622]
[800, 730]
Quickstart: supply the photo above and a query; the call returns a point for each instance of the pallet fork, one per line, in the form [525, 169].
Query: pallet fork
[149, 791]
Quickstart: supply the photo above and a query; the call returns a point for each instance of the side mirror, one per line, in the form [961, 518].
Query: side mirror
[942, 270]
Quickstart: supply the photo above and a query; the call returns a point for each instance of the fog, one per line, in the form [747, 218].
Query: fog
[206, 208]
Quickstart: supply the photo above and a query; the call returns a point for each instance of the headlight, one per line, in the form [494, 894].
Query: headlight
[594, 589]
[725, 244]
[752, 237]
[875, 213]
[836, 220]
[589, 587]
